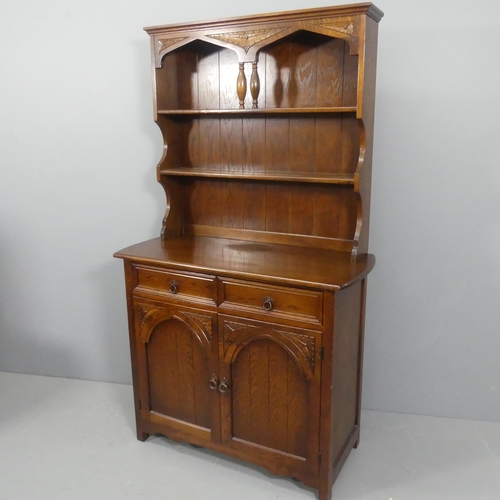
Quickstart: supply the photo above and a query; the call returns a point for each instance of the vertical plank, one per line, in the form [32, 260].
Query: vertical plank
[187, 78]
[167, 91]
[277, 144]
[301, 210]
[185, 361]
[346, 213]
[193, 143]
[201, 378]
[192, 195]
[277, 75]
[302, 61]
[323, 212]
[277, 159]
[350, 145]
[297, 411]
[328, 144]
[277, 207]
[163, 369]
[350, 84]
[232, 198]
[231, 145]
[278, 397]
[208, 76]
[228, 72]
[262, 69]
[209, 140]
[231, 129]
[302, 144]
[206, 202]
[213, 203]
[259, 391]
[329, 81]
[254, 206]
[253, 145]
[334, 212]
[240, 381]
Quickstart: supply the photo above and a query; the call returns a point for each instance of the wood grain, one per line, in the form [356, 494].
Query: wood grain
[270, 401]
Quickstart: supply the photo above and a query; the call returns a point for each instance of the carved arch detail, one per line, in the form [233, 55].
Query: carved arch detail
[150, 316]
[247, 42]
[300, 346]
[251, 40]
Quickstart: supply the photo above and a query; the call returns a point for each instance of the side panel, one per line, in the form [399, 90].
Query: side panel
[341, 382]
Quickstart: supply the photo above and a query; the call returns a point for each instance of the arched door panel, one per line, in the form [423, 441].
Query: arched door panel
[271, 407]
[176, 360]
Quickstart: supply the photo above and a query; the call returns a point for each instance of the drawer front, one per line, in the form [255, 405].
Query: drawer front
[192, 286]
[270, 300]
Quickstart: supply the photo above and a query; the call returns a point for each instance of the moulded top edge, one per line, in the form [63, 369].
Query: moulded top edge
[360, 8]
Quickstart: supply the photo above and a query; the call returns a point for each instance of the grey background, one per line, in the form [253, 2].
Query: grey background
[78, 150]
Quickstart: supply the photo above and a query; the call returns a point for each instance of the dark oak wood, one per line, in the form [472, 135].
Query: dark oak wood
[246, 316]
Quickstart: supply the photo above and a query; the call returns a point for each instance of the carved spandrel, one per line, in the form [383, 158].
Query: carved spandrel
[203, 322]
[247, 39]
[165, 43]
[144, 314]
[149, 316]
[232, 330]
[344, 27]
[306, 344]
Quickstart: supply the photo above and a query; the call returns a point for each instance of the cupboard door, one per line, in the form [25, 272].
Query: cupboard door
[177, 365]
[270, 376]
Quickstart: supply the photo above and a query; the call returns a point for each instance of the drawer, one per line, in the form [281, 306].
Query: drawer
[271, 300]
[192, 286]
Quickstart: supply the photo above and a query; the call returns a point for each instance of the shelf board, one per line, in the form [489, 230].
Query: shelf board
[259, 111]
[279, 176]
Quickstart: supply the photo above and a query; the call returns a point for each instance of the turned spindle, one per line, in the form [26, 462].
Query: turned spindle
[241, 85]
[255, 85]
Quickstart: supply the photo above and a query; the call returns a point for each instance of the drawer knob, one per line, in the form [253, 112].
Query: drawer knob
[267, 304]
[224, 385]
[213, 382]
[174, 287]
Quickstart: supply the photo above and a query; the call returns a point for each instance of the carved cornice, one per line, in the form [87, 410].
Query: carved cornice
[247, 39]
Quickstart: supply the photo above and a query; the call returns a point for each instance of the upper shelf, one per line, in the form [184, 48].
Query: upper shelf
[258, 111]
[276, 176]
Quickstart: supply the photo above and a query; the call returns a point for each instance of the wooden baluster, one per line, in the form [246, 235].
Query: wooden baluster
[241, 85]
[255, 85]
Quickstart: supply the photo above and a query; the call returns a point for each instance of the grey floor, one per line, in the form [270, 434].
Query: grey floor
[66, 439]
